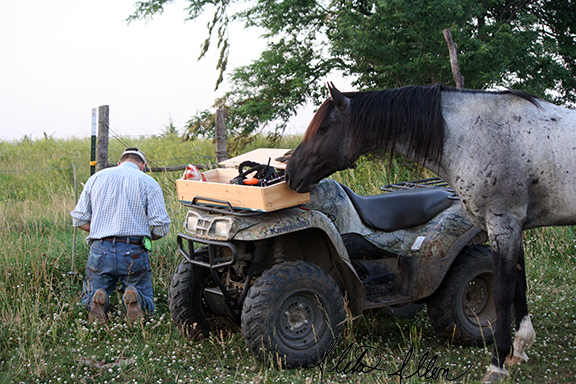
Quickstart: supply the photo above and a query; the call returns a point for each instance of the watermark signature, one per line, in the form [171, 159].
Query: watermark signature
[365, 359]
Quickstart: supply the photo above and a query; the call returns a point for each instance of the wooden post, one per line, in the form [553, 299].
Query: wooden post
[220, 122]
[458, 78]
[103, 126]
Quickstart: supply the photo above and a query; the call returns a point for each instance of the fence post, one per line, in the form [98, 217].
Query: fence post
[103, 126]
[73, 267]
[93, 143]
[221, 152]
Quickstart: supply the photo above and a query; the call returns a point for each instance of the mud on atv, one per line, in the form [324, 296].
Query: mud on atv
[283, 275]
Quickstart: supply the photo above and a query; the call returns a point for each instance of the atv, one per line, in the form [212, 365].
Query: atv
[286, 276]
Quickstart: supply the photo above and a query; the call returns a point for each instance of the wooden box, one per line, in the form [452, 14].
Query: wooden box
[265, 199]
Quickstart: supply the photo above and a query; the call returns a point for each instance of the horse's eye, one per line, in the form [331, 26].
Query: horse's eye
[323, 127]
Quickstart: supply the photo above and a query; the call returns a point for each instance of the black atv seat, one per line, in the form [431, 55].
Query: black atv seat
[392, 211]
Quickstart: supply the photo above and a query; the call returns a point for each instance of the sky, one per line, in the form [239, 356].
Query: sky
[59, 59]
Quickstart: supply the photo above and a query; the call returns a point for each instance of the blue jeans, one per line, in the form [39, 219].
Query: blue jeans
[110, 261]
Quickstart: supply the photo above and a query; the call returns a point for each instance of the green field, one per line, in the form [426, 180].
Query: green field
[45, 336]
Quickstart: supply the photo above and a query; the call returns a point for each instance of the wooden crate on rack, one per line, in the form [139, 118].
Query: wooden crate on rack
[256, 198]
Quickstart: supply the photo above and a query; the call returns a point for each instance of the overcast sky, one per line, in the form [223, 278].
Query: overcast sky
[59, 59]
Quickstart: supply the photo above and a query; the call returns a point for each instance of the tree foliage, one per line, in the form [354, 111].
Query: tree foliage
[523, 44]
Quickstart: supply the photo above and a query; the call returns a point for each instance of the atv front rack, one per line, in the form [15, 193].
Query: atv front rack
[205, 257]
[219, 206]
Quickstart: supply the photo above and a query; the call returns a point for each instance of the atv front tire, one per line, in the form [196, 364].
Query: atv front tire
[462, 309]
[188, 307]
[292, 314]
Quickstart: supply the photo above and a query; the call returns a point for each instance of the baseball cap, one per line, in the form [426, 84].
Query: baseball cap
[135, 151]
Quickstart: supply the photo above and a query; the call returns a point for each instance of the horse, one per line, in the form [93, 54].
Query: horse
[510, 156]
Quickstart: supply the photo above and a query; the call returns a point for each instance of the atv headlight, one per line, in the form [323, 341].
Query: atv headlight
[191, 222]
[221, 228]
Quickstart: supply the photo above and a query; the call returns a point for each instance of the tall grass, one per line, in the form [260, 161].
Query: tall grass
[45, 336]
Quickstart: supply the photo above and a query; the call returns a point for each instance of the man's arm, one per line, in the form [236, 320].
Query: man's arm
[157, 215]
[82, 213]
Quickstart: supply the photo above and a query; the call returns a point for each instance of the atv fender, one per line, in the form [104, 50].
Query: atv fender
[432, 265]
[317, 230]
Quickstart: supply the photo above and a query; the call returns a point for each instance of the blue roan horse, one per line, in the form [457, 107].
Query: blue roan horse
[510, 156]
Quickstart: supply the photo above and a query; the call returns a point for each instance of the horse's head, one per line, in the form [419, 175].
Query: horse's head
[326, 146]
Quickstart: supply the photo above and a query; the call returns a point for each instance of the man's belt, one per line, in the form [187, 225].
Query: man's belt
[124, 239]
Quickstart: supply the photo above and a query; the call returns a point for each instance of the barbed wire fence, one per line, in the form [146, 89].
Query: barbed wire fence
[203, 162]
[99, 149]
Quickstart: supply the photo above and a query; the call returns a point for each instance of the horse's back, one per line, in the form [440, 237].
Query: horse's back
[504, 152]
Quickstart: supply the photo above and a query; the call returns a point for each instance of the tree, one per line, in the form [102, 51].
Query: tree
[523, 44]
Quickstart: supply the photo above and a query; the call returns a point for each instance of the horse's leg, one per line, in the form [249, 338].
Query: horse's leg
[525, 334]
[505, 236]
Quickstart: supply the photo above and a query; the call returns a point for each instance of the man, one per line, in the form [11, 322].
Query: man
[121, 208]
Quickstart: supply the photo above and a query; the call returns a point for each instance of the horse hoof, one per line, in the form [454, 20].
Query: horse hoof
[516, 360]
[494, 375]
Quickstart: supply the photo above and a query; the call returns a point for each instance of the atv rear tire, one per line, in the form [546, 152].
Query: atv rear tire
[190, 311]
[292, 314]
[462, 309]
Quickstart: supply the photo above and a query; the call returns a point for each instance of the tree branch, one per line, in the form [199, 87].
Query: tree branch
[458, 78]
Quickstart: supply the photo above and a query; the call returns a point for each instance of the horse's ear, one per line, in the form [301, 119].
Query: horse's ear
[341, 101]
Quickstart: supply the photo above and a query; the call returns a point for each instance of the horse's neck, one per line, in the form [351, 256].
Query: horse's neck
[405, 140]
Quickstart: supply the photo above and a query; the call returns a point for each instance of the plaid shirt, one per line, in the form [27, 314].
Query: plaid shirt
[122, 201]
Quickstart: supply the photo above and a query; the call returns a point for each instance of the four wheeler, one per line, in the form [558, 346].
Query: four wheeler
[284, 275]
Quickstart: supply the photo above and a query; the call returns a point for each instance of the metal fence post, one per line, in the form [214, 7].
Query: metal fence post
[93, 143]
[73, 266]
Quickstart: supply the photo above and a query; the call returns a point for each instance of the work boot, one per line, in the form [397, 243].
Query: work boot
[98, 307]
[134, 311]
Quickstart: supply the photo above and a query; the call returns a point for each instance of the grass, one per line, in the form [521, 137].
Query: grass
[45, 337]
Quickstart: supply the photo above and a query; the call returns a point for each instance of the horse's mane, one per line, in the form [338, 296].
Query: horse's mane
[412, 113]
[521, 94]
[380, 117]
